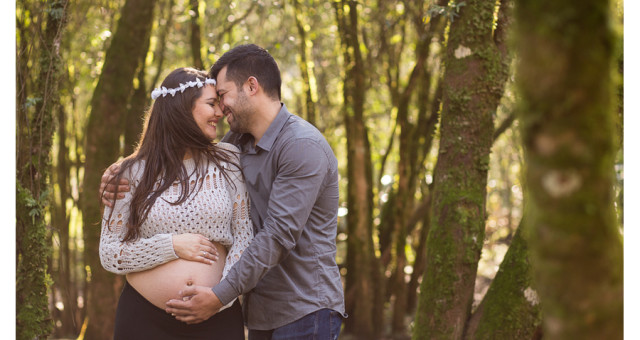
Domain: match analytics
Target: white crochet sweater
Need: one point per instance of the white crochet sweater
(218, 211)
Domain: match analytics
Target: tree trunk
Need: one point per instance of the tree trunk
(476, 70)
(35, 130)
(165, 22)
(60, 218)
(511, 308)
(105, 126)
(139, 103)
(567, 116)
(306, 69)
(421, 252)
(196, 40)
(363, 291)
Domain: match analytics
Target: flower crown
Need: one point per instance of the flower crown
(163, 91)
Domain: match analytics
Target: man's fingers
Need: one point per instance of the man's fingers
(187, 291)
(188, 319)
(122, 187)
(177, 307)
(107, 202)
(113, 168)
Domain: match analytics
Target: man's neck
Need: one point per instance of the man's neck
(264, 117)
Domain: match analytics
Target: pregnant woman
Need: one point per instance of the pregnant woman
(185, 220)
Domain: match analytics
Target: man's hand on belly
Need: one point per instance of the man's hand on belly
(198, 304)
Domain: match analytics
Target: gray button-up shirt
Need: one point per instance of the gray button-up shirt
(289, 269)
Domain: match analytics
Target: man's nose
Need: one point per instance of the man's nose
(217, 111)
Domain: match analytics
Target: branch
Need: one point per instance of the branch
(235, 22)
(504, 126)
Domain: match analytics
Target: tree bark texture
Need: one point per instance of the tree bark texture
(567, 112)
(476, 71)
(139, 104)
(196, 40)
(511, 308)
(105, 126)
(363, 289)
(35, 126)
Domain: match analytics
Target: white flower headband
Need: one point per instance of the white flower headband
(163, 91)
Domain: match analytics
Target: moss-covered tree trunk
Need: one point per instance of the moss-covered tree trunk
(567, 112)
(105, 126)
(511, 308)
(35, 126)
(476, 70)
(363, 289)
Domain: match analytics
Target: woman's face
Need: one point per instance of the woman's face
(206, 111)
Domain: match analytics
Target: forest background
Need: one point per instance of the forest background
(444, 117)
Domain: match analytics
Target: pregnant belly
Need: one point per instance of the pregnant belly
(162, 283)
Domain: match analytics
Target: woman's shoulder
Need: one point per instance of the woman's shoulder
(134, 170)
(228, 147)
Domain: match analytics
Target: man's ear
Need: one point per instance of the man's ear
(253, 84)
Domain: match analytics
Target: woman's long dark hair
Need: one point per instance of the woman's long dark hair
(169, 132)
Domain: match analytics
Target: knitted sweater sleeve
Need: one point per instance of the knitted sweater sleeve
(241, 227)
(132, 256)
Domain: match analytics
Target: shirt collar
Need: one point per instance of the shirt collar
(269, 137)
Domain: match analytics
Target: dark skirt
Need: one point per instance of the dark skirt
(139, 319)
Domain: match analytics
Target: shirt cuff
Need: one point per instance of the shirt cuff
(224, 292)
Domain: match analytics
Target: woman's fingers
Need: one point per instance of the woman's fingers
(195, 247)
(208, 245)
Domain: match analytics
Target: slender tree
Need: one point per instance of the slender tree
(106, 123)
(138, 105)
(363, 288)
(303, 59)
(63, 283)
(476, 70)
(35, 126)
(567, 112)
(196, 40)
(413, 139)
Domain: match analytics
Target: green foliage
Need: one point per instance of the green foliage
(451, 10)
(32, 280)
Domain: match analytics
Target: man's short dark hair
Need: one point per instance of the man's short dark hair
(244, 61)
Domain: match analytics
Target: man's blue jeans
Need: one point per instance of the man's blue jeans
(321, 325)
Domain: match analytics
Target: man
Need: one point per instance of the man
(288, 274)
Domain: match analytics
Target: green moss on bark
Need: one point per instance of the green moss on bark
(510, 309)
(474, 82)
(569, 137)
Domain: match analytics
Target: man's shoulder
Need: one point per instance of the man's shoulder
(297, 128)
(302, 140)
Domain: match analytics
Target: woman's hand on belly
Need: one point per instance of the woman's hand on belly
(164, 282)
(195, 247)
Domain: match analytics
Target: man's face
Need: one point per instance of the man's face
(234, 103)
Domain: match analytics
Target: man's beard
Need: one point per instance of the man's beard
(241, 114)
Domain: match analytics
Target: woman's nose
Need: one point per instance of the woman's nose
(217, 111)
